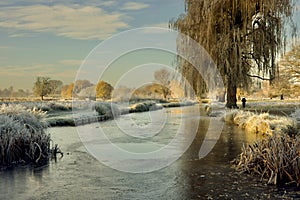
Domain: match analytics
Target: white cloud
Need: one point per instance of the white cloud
(21, 35)
(107, 3)
(134, 6)
(74, 21)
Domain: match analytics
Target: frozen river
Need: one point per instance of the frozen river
(79, 175)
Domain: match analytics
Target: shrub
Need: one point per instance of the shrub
(60, 106)
(144, 106)
(22, 136)
(110, 110)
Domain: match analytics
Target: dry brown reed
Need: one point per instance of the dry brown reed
(275, 158)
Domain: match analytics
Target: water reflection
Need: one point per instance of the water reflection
(21, 183)
(79, 176)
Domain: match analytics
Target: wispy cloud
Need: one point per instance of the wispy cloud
(5, 47)
(107, 3)
(134, 6)
(79, 22)
(48, 70)
(24, 76)
(26, 70)
(101, 3)
(159, 25)
(21, 35)
(71, 62)
(67, 74)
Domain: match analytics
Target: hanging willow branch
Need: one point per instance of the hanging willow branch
(259, 77)
(235, 33)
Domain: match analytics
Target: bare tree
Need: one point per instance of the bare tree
(81, 84)
(290, 65)
(163, 77)
(55, 86)
(288, 81)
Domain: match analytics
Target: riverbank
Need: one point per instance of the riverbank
(102, 111)
(274, 157)
(273, 107)
(80, 176)
(194, 178)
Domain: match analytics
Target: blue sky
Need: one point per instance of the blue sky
(52, 38)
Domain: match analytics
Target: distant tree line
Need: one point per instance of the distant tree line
(47, 87)
(11, 92)
(44, 86)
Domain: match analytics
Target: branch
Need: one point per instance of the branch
(261, 78)
(296, 71)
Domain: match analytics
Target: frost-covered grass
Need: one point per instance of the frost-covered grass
(296, 115)
(260, 123)
(277, 107)
(23, 137)
(275, 157)
(144, 107)
(110, 110)
(67, 113)
(48, 106)
(84, 111)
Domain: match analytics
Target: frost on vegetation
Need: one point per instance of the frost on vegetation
(144, 106)
(296, 115)
(260, 123)
(275, 159)
(44, 106)
(22, 135)
(53, 106)
(22, 113)
(110, 110)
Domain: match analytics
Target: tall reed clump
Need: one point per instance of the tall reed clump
(22, 136)
(276, 159)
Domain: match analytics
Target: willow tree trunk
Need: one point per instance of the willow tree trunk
(231, 94)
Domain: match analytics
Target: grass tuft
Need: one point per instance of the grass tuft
(22, 136)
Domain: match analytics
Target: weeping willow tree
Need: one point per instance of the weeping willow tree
(243, 37)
